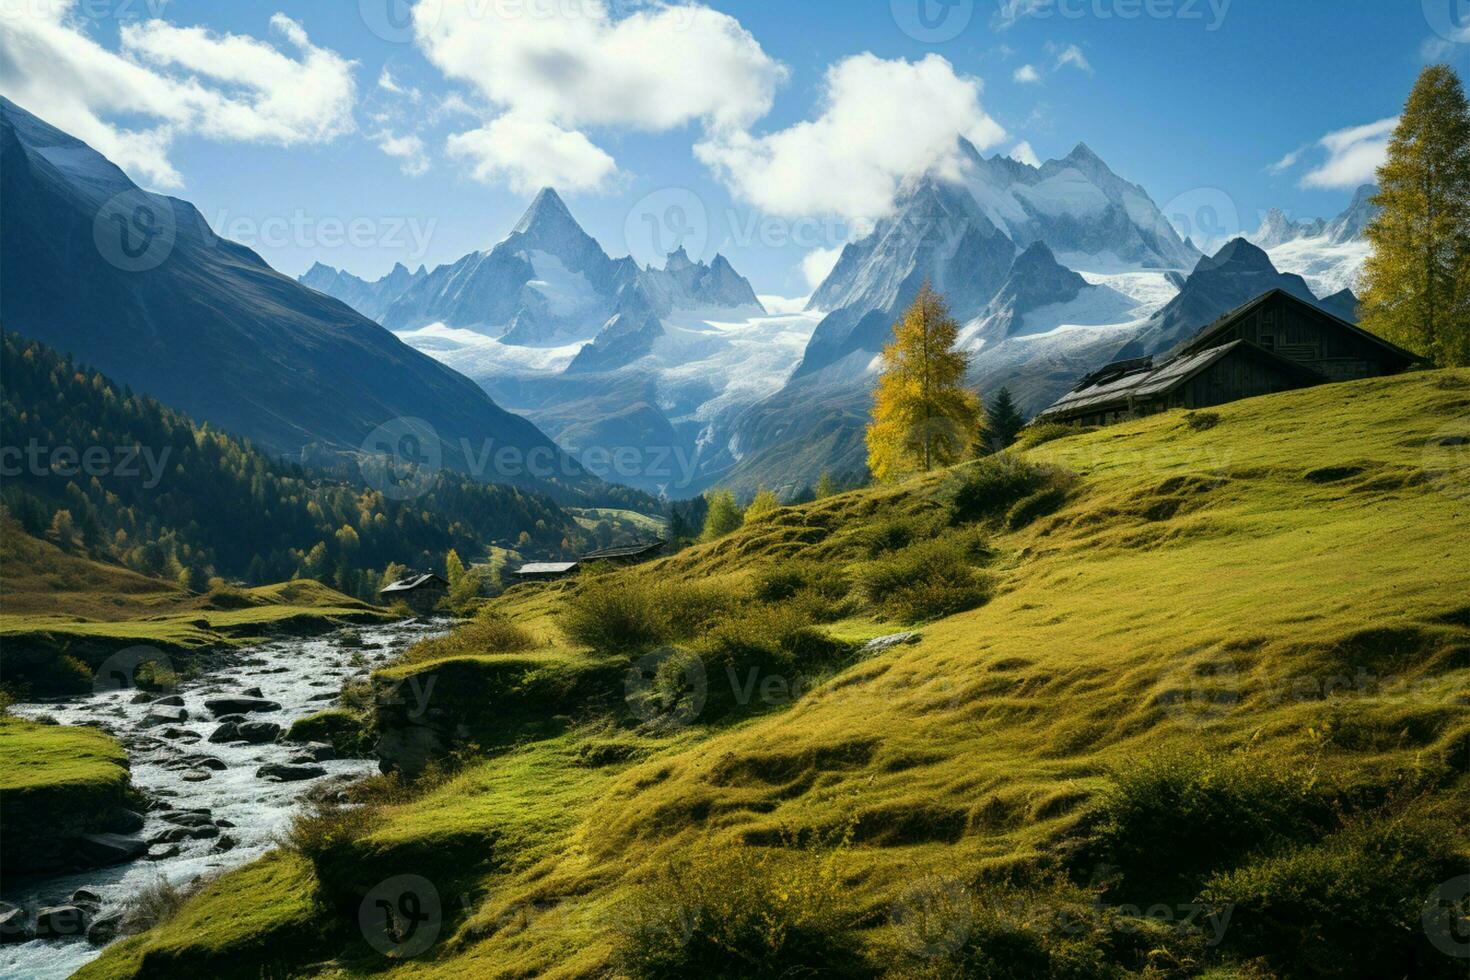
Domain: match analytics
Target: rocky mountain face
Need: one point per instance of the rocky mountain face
(1236, 274)
(937, 234)
(1077, 206)
(548, 283)
(1277, 229)
(138, 286)
(371, 299)
(1035, 280)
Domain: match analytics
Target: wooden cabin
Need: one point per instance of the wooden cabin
(544, 571)
(1276, 342)
(626, 555)
(421, 591)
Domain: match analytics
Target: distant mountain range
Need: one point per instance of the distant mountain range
(138, 285)
(1329, 254)
(1050, 269)
(548, 284)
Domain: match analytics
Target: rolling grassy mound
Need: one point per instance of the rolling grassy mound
(61, 615)
(1190, 697)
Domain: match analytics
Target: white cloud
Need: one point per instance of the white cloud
(1026, 75)
(389, 84)
(1011, 11)
(225, 87)
(572, 67)
(529, 153)
(1287, 162)
(1022, 153)
(880, 121)
(1353, 155)
(817, 264)
(1071, 56)
(408, 150)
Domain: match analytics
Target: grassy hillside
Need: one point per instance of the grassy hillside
(54, 780)
(1191, 697)
(61, 615)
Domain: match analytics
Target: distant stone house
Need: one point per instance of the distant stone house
(1276, 342)
(421, 591)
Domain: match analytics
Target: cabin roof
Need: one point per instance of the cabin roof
(546, 568)
(625, 551)
(413, 582)
(1222, 323)
(1161, 380)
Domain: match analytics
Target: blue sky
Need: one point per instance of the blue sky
(769, 131)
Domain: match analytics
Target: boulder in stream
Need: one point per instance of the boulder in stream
(15, 925)
(98, 850)
(259, 732)
(61, 922)
(285, 773)
(104, 929)
(241, 705)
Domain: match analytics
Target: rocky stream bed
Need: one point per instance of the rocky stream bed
(219, 785)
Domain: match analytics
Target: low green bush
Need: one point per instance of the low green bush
(1042, 432)
(1043, 502)
(739, 912)
(940, 928)
(930, 579)
(990, 487)
(1166, 821)
(887, 536)
(1353, 905)
(786, 580)
(623, 612)
(761, 658)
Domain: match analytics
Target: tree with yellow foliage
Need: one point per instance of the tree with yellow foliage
(923, 416)
(1417, 281)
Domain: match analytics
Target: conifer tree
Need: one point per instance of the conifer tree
(453, 569)
(826, 486)
(922, 415)
(1417, 281)
(723, 517)
(765, 502)
(1002, 421)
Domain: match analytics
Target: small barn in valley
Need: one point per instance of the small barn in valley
(422, 591)
(1276, 342)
